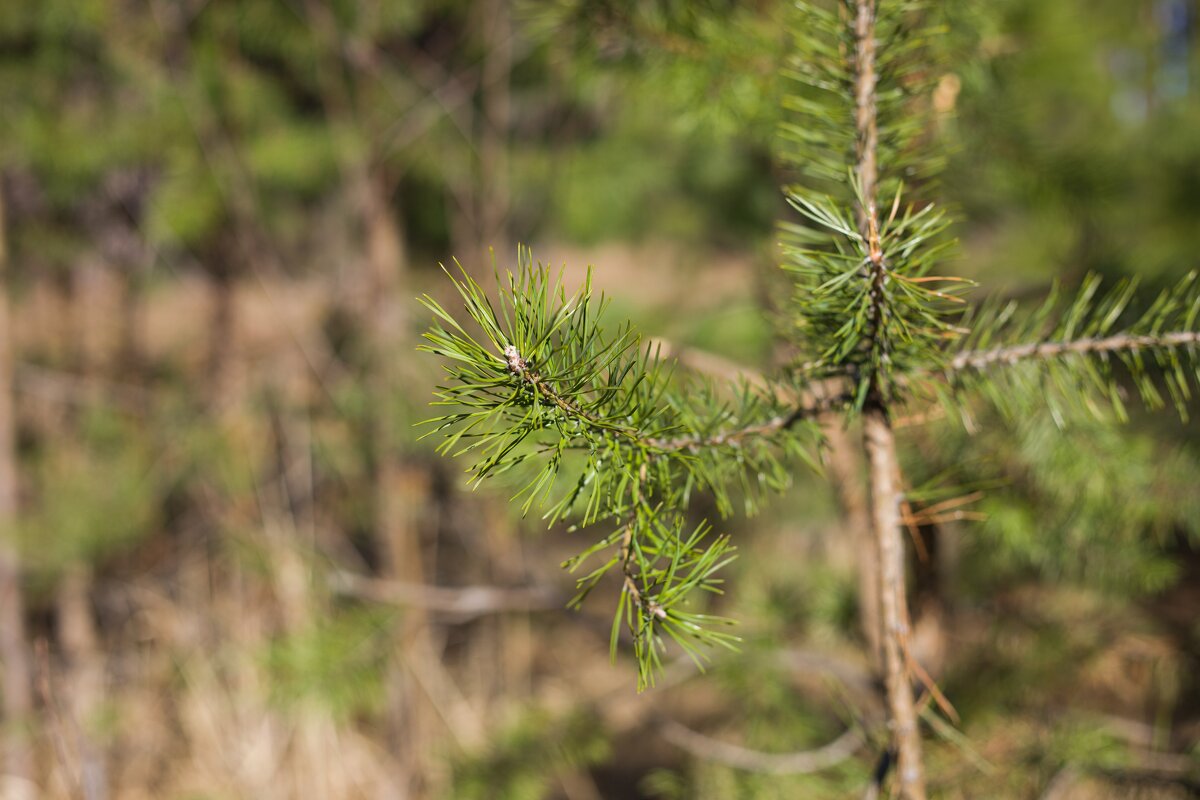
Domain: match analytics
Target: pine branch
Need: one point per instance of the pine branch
(659, 568)
(1119, 343)
(545, 381)
(1064, 354)
(601, 431)
(810, 406)
(866, 298)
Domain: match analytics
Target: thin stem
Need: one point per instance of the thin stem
(865, 120)
(809, 407)
(1005, 356)
(737, 435)
(628, 572)
(644, 604)
(878, 439)
(459, 603)
(880, 443)
(732, 755)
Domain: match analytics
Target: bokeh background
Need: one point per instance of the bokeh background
(231, 569)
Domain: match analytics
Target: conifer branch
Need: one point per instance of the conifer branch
(866, 297)
(608, 436)
(1070, 349)
(810, 406)
(601, 432)
(1007, 356)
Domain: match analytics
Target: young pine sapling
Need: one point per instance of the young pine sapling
(618, 443)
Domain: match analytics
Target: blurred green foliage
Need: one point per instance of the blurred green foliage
(1072, 148)
(339, 665)
(99, 495)
(528, 758)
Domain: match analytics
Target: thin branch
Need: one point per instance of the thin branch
(738, 757)
(878, 438)
(645, 605)
(810, 407)
(774, 425)
(461, 602)
(982, 359)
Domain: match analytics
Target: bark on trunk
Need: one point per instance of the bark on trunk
(880, 444)
(14, 649)
(878, 439)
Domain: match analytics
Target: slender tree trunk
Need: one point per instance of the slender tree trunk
(14, 649)
(878, 439)
(880, 444)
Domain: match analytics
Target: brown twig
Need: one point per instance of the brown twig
(808, 407)
(878, 438)
(732, 755)
(460, 602)
(644, 604)
(982, 359)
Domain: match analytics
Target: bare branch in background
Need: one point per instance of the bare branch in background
(459, 603)
(732, 755)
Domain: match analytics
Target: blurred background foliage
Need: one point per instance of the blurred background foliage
(244, 575)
